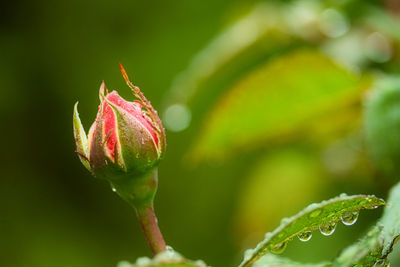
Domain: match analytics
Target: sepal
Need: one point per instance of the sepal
(82, 147)
(103, 91)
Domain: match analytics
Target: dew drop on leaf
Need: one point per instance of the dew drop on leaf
(248, 253)
(285, 220)
(305, 236)
(327, 229)
(350, 218)
(268, 235)
(278, 249)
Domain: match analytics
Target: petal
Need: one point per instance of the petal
(82, 147)
(135, 110)
(97, 153)
(110, 130)
(137, 145)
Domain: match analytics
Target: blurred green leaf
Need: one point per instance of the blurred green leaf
(160, 265)
(276, 100)
(315, 216)
(382, 125)
(391, 220)
(288, 172)
(276, 261)
(383, 21)
(261, 31)
(167, 258)
(365, 252)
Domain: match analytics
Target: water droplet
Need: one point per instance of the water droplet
(142, 261)
(350, 218)
(268, 235)
(278, 249)
(124, 264)
(113, 188)
(305, 236)
(169, 248)
(315, 213)
(343, 195)
(327, 229)
(285, 220)
(248, 254)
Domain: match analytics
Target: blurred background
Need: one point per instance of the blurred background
(268, 106)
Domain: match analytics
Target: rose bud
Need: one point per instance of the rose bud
(124, 144)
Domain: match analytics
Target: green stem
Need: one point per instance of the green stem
(139, 192)
(148, 221)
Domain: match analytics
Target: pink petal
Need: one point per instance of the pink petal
(110, 133)
(135, 110)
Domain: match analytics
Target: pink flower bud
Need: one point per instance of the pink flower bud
(127, 138)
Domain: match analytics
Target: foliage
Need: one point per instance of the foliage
(269, 105)
(168, 258)
(382, 122)
(260, 106)
(323, 216)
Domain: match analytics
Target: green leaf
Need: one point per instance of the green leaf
(310, 219)
(263, 30)
(275, 101)
(123, 264)
(391, 220)
(276, 261)
(378, 243)
(167, 258)
(290, 171)
(365, 252)
(382, 125)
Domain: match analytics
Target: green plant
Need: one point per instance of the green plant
(295, 98)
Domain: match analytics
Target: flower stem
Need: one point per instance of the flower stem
(139, 193)
(148, 221)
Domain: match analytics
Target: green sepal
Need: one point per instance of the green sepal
(82, 146)
(102, 92)
(138, 191)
